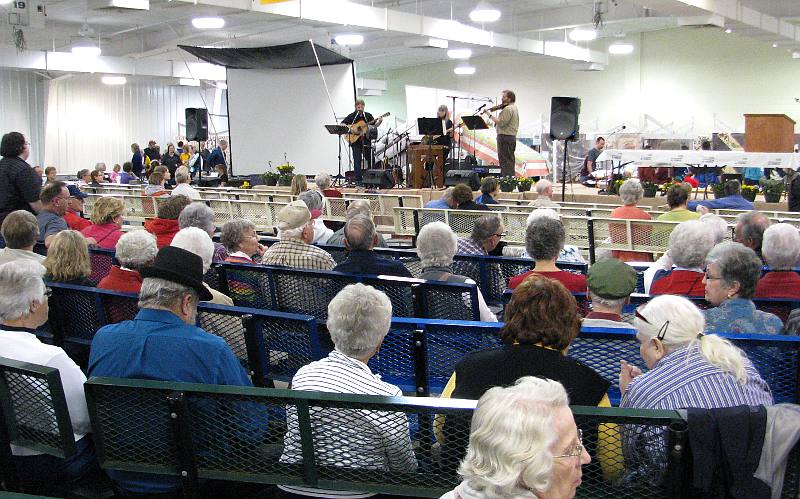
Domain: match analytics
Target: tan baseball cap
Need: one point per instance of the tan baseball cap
(293, 216)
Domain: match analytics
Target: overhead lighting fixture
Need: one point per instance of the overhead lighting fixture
(349, 39)
(114, 80)
(484, 12)
(464, 69)
(620, 48)
(582, 35)
(774, 45)
(86, 47)
(728, 31)
(208, 22)
(459, 53)
(188, 82)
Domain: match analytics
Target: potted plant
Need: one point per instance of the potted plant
(650, 189)
(615, 185)
(508, 184)
(524, 184)
(749, 192)
(285, 174)
(773, 189)
(270, 178)
(719, 190)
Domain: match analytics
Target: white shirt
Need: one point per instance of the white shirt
(13, 255)
(321, 233)
(186, 190)
(26, 347)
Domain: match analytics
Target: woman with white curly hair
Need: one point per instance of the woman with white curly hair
(135, 251)
(523, 443)
(781, 250)
(631, 193)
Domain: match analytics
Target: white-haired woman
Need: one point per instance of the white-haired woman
(687, 369)
(201, 216)
(568, 254)
(780, 249)
(197, 241)
(135, 251)
(436, 247)
(631, 193)
(681, 270)
(716, 225)
(323, 182)
(523, 443)
(316, 205)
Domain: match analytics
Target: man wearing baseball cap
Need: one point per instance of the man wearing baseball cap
(294, 249)
(610, 284)
(75, 208)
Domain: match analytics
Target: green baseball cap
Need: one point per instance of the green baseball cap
(611, 279)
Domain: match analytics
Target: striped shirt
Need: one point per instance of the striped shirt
(350, 438)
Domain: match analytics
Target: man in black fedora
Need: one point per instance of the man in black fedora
(163, 343)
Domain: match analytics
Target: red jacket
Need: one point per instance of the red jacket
(779, 284)
(163, 229)
(678, 282)
(106, 235)
(75, 221)
(124, 281)
(575, 283)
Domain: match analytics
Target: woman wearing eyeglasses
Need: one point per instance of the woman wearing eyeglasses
(523, 443)
(687, 368)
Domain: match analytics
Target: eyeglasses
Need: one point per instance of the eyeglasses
(576, 451)
(502, 234)
(710, 278)
(662, 330)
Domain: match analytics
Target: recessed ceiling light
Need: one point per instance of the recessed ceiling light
(208, 22)
(620, 48)
(582, 35)
(728, 31)
(484, 12)
(774, 45)
(86, 47)
(349, 39)
(464, 69)
(459, 53)
(114, 80)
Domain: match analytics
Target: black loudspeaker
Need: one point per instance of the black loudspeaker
(564, 113)
(381, 178)
(196, 124)
(469, 177)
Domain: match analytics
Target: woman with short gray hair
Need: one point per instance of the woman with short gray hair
(682, 269)
(201, 216)
(241, 240)
(135, 251)
(436, 247)
(631, 193)
(732, 273)
(780, 249)
(20, 231)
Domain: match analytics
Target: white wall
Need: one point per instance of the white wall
(22, 98)
(685, 76)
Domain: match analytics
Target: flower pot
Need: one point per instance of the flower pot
(772, 197)
(272, 181)
(650, 193)
(749, 195)
(284, 182)
(507, 188)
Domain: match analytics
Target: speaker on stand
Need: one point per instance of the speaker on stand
(564, 113)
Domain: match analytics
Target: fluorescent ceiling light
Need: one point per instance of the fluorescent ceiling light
(729, 31)
(222, 85)
(114, 80)
(208, 22)
(620, 48)
(774, 45)
(349, 39)
(484, 12)
(85, 47)
(189, 82)
(464, 69)
(582, 35)
(459, 53)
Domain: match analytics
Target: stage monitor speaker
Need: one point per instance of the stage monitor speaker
(380, 178)
(196, 124)
(564, 113)
(469, 177)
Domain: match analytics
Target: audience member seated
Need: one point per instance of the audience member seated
(486, 235)
(568, 254)
(222, 175)
(732, 200)
(544, 239)
(155, 185)
(54, 200)
(445, 202)
(198, 242)
(74, 209)
(113, 177)
(106, 222)
(436, 247)
(462, 197)
(323, 182)
(163, 343)
(678, 199)
(356, 207)
(490, 189)
(50, 174)
(360, 239)
(544, 195)
(631, 193)
(732, 273)
(299, 184)
(315, 204)
(523, 443)
(20, 231)
(781, 250)
(358, 320)
(23, 309)
(680, 270)
(294, 249)
(67, 259)
(165, 225)
(716, 225)
(84, 177)
(183, 188)
(201, 216)
(610, 283)
(96, 178)
(135, 251)
(241, 241)
(687, 369)
(750, 229)
(127, 174)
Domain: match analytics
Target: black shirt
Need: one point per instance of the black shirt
(172, 162)
(19, 186)
(368, 263)
(152, 153)
(472, 205)
(446, 139)
(355, 117)
(592, 156)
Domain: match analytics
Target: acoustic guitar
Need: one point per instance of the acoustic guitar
(359, 128)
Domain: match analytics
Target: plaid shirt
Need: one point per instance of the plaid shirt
(469, 246)
(297, 254)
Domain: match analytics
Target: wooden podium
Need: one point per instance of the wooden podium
(768, 133)
(419, 155)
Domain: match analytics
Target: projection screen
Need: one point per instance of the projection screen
(281, 113)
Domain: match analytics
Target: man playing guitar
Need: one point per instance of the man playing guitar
(361, 148)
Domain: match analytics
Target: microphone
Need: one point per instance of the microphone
(481, 108)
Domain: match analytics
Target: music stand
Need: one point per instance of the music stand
(339, 130)
(430, 127)
(473, 123)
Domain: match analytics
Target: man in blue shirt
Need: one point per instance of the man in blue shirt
(733, 199)
(443, 203)
(360, 238)
(163, 343)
